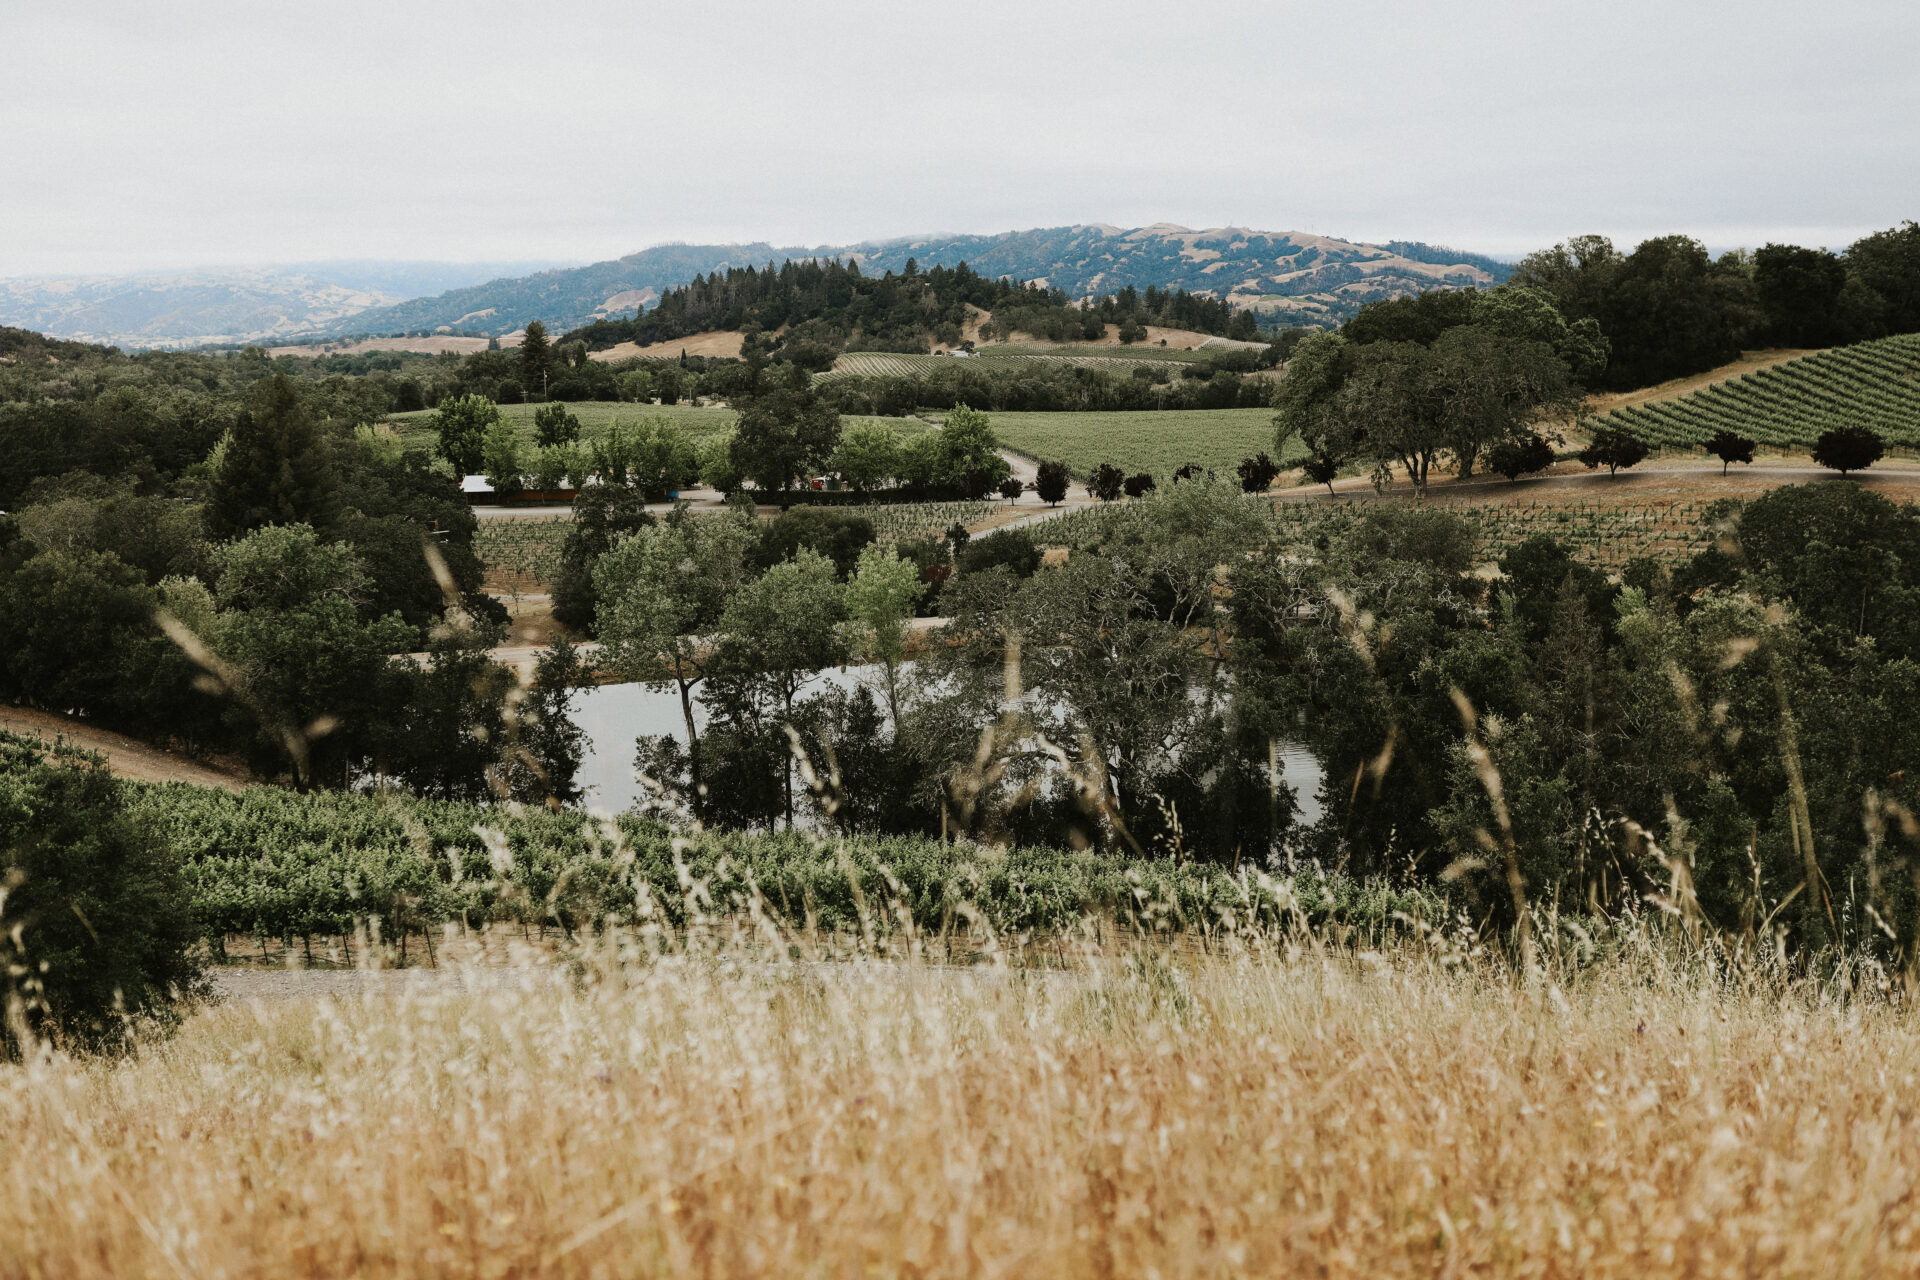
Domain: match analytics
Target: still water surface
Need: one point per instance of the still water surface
(613, 715)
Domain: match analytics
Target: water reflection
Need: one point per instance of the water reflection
(613, 715)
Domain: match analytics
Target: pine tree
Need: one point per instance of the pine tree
(277, 468)
(536, 357)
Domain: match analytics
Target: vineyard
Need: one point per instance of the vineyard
(1158, 442)
(1875, 385)
(596, 416)
(876, 364)
(1605, 534)
(526, 551)
(273, 863)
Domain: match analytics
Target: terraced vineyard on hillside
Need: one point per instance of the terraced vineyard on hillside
(1875, 385)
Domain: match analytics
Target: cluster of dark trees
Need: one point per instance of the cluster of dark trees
(1215, 384)
(1669, 309)
(1455, 376)
(1677, 737)
(1047, 314)
(233, 572)
(809, 312)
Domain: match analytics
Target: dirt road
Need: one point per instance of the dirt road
(126, 757)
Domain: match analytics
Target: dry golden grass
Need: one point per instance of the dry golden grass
(1228, 1116)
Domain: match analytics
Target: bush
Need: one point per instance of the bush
(1106, 482)
(837, 535)
(97, 924)
(1257, 472)
(1014, 548)
(1138, 486)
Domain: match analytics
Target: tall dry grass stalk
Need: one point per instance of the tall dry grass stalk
(1322, 1114)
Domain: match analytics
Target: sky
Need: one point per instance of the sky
(139, 136)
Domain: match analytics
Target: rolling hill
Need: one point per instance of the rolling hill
(1287, 277)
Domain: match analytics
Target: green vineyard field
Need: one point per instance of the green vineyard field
(1875, 385)
(879, 364)
(1158, 442)
(416, 429)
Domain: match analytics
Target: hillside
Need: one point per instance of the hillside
(811, 310)
(1875, 385)
(1288, 277)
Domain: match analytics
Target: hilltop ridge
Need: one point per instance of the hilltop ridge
(1286, 277)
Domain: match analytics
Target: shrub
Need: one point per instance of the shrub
(97, 924)
(1257, 472)
(1106, 482)
(1138, 486)
(1014, 548)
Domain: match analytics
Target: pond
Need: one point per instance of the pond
(613, 715)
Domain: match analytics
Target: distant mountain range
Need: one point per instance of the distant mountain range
(1288, 277)
(227, 304)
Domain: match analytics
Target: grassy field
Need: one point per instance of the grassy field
(1875, 385)
(1152, 1112)
(1158, 442)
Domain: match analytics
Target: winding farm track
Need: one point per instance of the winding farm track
(126, 757)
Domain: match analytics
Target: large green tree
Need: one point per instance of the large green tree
(783, 434)
(881, 597)
(300, 672)
(661, 594)
(780, 629)
(461, 425)
(536, 358)
(277, 468)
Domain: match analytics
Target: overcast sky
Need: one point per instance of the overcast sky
(141, 135)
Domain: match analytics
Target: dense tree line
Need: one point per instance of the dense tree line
(1725, 737)
(810, 311)
(210, 552)
(1216, 384)
(1669, 309)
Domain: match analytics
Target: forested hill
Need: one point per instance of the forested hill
(1288, 278)
(811, 311)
